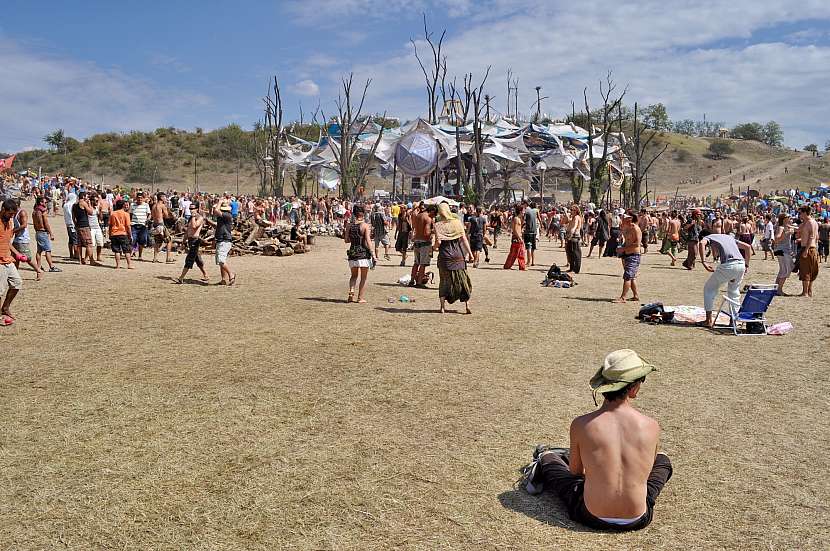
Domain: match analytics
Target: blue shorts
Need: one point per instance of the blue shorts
(44, 244)
(140, 235)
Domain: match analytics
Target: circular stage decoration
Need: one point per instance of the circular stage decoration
(417, 154)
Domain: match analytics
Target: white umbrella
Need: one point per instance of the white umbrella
(417, 154)
(438, 199)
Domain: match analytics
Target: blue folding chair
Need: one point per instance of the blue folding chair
(752, 310)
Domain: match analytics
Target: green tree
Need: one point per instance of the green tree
(55, 139)
(720, 149)
(749, 131)
(685, 127)
(656, 117)
(773, 135)
(812, 148)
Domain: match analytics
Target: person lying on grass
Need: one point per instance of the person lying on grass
(613, 473)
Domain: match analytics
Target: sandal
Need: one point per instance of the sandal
(232, 280)
(351, 297)
(178, 280)
(6, 321)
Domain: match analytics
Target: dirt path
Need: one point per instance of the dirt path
(759, 170)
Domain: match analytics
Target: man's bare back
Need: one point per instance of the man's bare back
(614, 447)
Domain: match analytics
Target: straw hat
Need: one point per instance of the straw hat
(620, 368)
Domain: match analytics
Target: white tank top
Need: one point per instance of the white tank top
(22, 237)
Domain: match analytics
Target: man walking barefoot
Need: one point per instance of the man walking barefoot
(10, 280)
(119, 232)
(193, 240)
(161, 235)
(517, 245)
(612, 475)
(630, 256)
(43, 234)
(808, 257)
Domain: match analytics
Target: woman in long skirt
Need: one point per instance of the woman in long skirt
(402, 229)
(455, 284)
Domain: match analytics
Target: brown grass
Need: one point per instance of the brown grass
(138, 414)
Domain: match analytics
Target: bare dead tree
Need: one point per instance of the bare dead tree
(436, 72)
(476, 95)
(259, 152)
(272, 124)
(637, 151)
(607, 120)
(353, 170)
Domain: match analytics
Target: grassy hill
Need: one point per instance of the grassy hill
(165, 158)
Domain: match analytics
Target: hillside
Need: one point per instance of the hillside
(165, 158)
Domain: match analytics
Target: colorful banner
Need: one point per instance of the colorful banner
(6, 164)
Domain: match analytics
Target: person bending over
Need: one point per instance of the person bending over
(612, 474)
(733, 258)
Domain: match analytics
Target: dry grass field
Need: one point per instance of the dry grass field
(138, 414)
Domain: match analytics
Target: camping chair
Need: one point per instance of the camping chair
(755, 304)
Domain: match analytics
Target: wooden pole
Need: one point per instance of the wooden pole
(394, 176)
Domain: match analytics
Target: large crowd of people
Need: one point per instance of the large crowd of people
(791, 227)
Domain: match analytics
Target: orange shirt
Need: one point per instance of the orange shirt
(6, 232)
(119, 223)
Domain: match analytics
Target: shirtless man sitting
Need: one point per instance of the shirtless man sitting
(613, 473)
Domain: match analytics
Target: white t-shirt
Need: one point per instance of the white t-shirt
(769, 230)
(184, 207)
(140, 214)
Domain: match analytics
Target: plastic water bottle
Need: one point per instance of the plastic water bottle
(404, 299)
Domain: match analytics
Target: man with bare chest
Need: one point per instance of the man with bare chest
(161, 235)
(630, 256)
(612, 474)
(193, 240)
(808, 257)
(644, 222)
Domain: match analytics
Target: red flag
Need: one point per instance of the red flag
(6, 164)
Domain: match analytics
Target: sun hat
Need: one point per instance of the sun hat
(620, 368)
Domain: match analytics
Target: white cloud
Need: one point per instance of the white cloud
(694, 57)
(170, 62)
(320, 60)
(40, 93)
(306, 88)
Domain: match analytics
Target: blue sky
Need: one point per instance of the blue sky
(100, 66)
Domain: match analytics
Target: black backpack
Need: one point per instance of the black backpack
(655, 313)
(555, 274)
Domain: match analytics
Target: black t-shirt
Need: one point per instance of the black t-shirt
(80, 215)
(224, 223)
(174, 202)
(477, 227)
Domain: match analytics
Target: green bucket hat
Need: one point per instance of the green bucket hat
(619, 369)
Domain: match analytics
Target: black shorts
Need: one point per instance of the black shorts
(193, 254)
(598, 240)
(73, 236)
(530, 241)
(120, 244)
(558, 479)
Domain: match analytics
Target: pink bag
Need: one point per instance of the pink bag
(780, 328)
